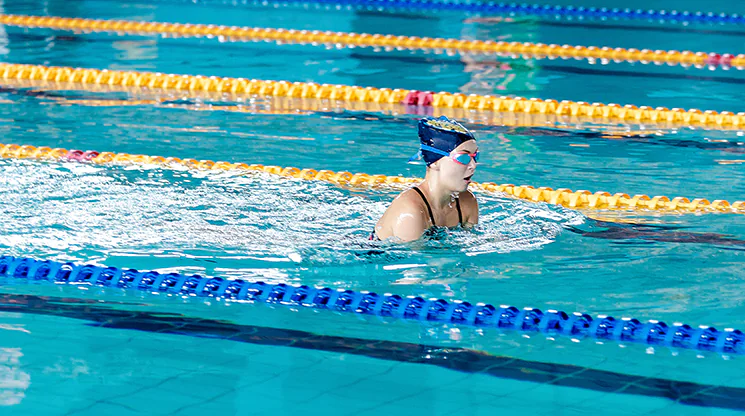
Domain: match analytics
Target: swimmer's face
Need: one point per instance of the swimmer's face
(455, 176)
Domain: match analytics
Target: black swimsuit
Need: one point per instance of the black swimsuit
(429, 209)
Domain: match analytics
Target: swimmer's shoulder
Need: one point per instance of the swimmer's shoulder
(411, 196)
(409, 203)
(406, 215)
(468, 197)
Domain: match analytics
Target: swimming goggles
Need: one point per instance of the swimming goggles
(460, 158)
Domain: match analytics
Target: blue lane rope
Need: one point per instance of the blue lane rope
(411, 308)
(515, 9)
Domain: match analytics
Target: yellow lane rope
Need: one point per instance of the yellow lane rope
(243, 87)
(290, 105)
(565, 197)
(279, 106)
(343, 39)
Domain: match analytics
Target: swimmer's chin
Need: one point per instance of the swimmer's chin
(463, 188)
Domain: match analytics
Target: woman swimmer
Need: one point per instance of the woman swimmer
(442, 199)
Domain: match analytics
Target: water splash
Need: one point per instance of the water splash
(69, 211)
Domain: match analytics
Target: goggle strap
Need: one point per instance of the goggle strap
(434, 150)
(443, 153)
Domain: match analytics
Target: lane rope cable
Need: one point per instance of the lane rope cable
(409, 308)
(343, 39)
(565, 197)
(240, 86)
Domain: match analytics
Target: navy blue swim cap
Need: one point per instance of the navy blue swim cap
(442, 134)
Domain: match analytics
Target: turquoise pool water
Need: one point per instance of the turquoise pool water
(81, 350)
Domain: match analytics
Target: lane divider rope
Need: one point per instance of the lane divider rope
(292, 105)
(408, 308)
(241, 86)
(543, 11)
(342, 39)
(581, 199)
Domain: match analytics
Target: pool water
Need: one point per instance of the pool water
(80, 350)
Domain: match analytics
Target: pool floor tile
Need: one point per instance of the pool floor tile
(107, 408)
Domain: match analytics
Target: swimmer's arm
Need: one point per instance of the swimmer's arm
(410, 224)
(471, 210)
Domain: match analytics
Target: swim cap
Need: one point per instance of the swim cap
(442, 134)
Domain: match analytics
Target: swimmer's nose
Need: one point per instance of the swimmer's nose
(472, 165)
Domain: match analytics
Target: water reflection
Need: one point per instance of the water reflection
(13, 381)
(654, 233)
(3, 33)
(494, 75)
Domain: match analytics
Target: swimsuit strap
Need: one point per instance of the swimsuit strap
(460, 215)
(429, 208)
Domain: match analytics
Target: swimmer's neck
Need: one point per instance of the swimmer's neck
(438, 196)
